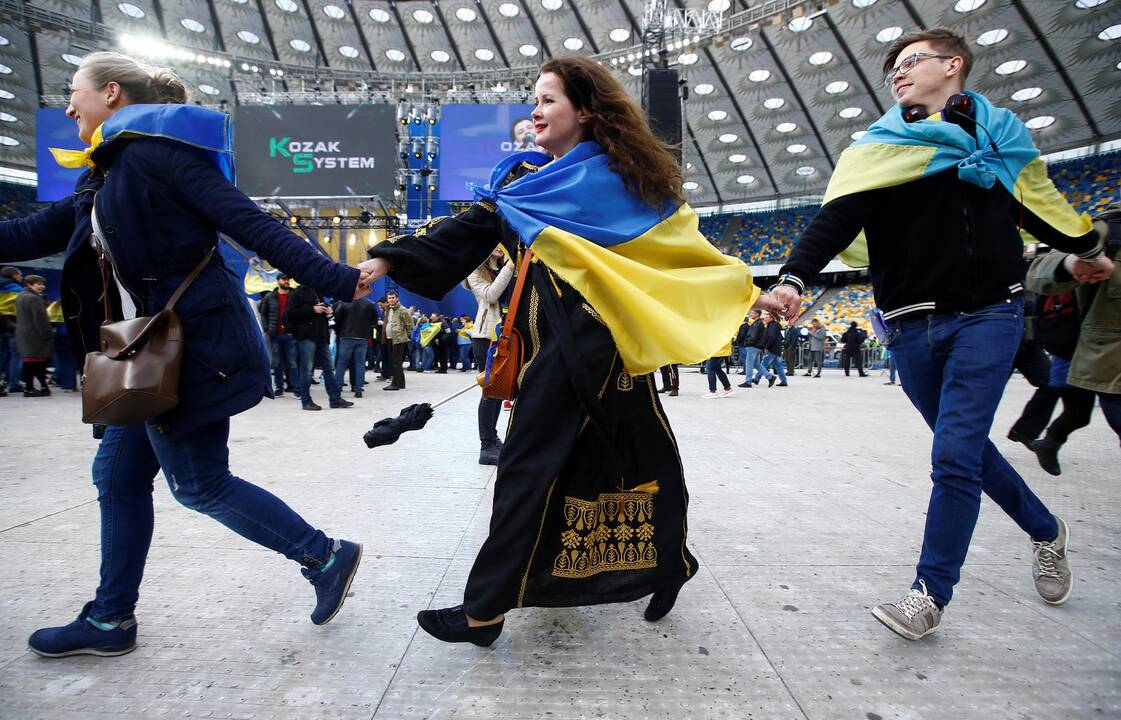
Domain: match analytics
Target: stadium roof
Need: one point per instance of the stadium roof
(773, 96)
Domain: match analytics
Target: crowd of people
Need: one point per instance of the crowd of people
(590, 503)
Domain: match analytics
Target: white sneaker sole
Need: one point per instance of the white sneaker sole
(903, 631)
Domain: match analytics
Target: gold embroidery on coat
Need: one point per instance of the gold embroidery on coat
(592, 311)
(625, 382)
(423, 229)
(534, 333)
(614, 532)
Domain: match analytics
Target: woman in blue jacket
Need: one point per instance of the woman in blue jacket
(158, 173)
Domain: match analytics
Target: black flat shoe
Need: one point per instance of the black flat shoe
(450, 625)
(661, 602)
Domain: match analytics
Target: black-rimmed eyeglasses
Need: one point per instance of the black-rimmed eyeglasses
(909, 64)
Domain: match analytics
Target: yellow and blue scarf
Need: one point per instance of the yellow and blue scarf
(665, 293)
(203, 128)
(894, 152)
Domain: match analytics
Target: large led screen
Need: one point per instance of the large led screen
(54, 129)
(473, 138)
(315, 150)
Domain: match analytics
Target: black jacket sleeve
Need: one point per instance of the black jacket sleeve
(441, 253)
(831, 231)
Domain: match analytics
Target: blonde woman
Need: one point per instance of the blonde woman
(155, 193)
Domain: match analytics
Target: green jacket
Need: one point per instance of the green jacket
(398, 325)
(1096, 364)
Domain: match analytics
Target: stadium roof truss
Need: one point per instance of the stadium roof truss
(774, 95)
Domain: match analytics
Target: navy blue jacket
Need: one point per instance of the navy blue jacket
(161, 205)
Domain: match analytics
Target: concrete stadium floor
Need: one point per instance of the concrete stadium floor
(808, 505)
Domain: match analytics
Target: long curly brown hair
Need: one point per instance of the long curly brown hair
(617, 124)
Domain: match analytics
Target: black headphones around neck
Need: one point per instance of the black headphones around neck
(958, 108)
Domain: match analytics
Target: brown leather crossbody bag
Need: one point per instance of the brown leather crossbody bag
(135, 375)
(505, 356)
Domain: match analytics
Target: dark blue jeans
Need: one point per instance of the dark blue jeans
(198, 473)
(714, 371)
(954, 367)
(351, 354)
(10, 360)
(312, 353)
(283, 348)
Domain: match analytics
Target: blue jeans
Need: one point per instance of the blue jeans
(954, 367)
(754, 362)
(198, 473)
(774, 362)
(283, 348)
(314, 353)
(464, 357)
(428, 354)
(65, 366)
(715, 371)
(352, 355)
(10, 359)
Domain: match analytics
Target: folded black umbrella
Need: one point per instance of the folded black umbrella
(414, 417)
(386, 432)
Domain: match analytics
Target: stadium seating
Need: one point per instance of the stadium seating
(851, 303)
(17, 201)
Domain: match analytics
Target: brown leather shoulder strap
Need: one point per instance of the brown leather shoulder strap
(187, 281)
(512, 312)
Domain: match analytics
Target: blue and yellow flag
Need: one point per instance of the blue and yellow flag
(9, 291)
(203, 128)
(665, 293)
(894, 152)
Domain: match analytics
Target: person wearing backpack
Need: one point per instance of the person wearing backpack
(1081, 324)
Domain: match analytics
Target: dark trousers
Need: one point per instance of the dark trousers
(1036, 368)
(396, 358)
(670, 377)
(790, 357)
(850, 357)
(32, 370)
(489, 408)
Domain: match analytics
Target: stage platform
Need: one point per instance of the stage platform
(808, 505)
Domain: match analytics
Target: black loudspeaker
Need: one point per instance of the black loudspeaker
(662, 100)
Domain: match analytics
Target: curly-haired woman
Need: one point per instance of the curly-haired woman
(590, 500)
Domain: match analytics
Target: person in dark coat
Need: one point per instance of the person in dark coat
(853, 339)
(34, 336)
(156, 184)
(354, 328)
(308, 319)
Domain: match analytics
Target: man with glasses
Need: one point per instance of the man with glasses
(929, 199)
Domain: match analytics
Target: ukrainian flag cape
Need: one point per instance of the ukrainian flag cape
(209, 130)
(665, 293)
(9, 291)
(894, 152)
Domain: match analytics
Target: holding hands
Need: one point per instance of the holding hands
(783, 300)
(1091, 271)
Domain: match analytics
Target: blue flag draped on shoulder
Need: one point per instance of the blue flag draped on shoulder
(665, 293)
(894, 152)
(209, 130)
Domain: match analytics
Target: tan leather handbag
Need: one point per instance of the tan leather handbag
(135, 375)
(505, 356)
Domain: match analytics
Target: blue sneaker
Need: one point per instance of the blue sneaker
(86, 636)
(332, 582)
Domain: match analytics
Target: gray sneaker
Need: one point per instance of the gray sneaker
(912, 617)
(1051, 569)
